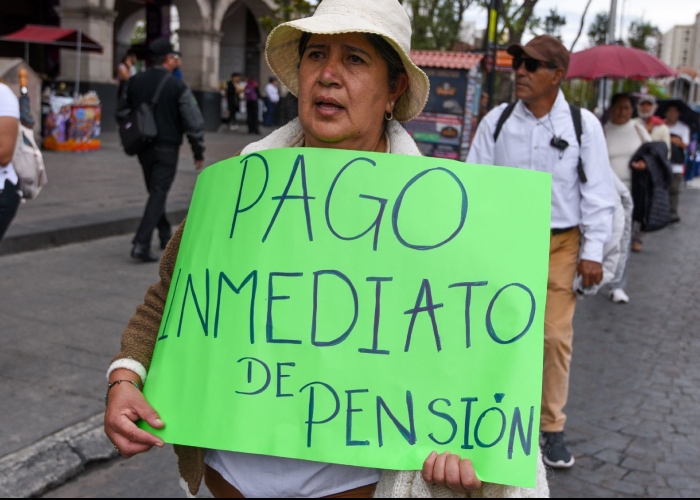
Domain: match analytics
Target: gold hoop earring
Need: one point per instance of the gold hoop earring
(389, 116)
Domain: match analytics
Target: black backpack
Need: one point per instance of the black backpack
(138, 128)
(578, 127)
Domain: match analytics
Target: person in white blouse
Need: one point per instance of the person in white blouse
(9, 128)
(540, 135)
(624, 136)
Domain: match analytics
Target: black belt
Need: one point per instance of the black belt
(556, 232)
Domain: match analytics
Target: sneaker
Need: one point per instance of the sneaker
(675, 219)
(618, 296)
(554, 451)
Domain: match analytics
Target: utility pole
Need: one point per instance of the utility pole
(605, 85)
(612, 22)
(491, 48)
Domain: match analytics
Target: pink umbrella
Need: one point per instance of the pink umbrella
(616, 62)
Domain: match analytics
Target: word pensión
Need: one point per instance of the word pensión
(407, 429)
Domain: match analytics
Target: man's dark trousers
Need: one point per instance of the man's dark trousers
(159, 164)
(9, 201)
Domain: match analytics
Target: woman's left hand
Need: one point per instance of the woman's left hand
(450, 471)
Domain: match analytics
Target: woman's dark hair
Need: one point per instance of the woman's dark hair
(130, 53)
(618, 97)
(383, 48)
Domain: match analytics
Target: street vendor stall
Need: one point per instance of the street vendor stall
(71, 123)
(444, 128)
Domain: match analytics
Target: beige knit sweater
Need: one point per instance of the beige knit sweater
(139, 338)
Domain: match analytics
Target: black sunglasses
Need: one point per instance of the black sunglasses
(531, 65)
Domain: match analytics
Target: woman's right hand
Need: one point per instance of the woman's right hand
(125, 406)
(639, 165)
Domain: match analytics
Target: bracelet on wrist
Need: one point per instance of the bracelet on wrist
(118, 382)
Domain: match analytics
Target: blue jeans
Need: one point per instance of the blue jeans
(270, 114)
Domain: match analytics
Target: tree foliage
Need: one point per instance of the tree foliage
(515, 17)
(551, 25)
(641, 35)
(139, 34)
(598, 30)
(288, 10)
(436, 23)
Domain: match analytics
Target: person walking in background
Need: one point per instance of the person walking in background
(125, 70)
(646, 107)
(541, 135)
(273, 97)
(176, 113)
(9, 181)
(233, 97)
(624, 137)
(659, 132)
(680, 138)
(251, 101)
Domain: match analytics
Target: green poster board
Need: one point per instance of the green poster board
(361, 309)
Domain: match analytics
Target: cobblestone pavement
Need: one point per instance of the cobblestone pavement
(635, 385)
(635, 388)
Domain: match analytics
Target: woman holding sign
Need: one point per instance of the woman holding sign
(349, 66)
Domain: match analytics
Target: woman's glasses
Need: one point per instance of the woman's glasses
(531, 65)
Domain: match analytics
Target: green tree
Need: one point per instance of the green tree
(641, 35)
(598, 30)
(288, 10)
(139, 34)
(515, 17)
(551, 25)
(436, 23)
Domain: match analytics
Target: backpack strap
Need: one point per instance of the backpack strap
(162, 83)
(502, 120)
(578, 127)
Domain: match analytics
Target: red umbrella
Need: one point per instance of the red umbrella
(616, 62)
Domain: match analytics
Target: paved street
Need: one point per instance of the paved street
(635, 389)
(102, 193)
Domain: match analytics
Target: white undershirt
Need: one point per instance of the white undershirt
(9, 106)
(262, 476)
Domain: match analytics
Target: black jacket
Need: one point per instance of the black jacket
(652, 205)
(176, 112)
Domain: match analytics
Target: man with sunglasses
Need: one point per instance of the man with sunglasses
(539, 133)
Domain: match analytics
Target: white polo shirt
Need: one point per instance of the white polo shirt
(9, 106)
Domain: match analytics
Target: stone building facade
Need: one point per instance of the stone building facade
(216, 38)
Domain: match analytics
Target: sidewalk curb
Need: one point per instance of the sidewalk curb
(55, 459)
(77, 234)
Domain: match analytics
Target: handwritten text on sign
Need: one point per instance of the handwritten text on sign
(359, 308)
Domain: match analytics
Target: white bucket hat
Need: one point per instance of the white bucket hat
(386, 18)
